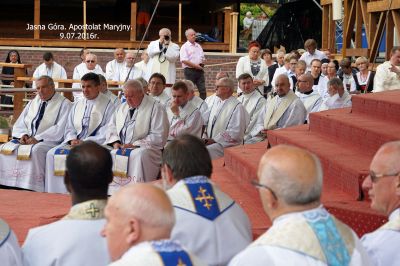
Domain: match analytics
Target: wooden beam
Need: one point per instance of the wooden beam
(325, 26)
(332, 30)
(36, 19)
(227, 24)
(133, 21)
(357, 52)
(379, 6)
(396, 20)
(374, 46)
(326, 2)
(389, 34)
(358, 25)
(349, 26)
(363, 6)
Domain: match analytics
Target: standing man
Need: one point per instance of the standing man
(163, 54)
(114, 67)
(302, 232)
(49, 68)
(192, 58)
(39, 128)
(387, 75)
(383, 186)
(76, 240)
(311, 53)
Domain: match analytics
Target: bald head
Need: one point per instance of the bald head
(119, 55)
(282, 85)
(388, 157)
(294, 174)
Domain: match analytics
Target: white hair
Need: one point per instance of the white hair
(189, 30)
(190, 85)
(135, 85)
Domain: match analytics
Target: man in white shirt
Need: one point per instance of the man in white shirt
(104, 89)
(71, 240)
(163, 54)
(39, 128)
(10, 252)
(127, 70)
(183, 115)
(138, 132)
(157, 84)
(285, 69)
(140, 218)
(383, 187)
(227, 121)
(142, 65)
(310, 98)
(197, 101)
(387, 75)
(302, 232)
(114, 67)
(320, 82)
(49, 68)
(87, 120)
(203, 226)
(311, 53)
(338, 96)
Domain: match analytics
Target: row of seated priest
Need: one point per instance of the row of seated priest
(137, 130)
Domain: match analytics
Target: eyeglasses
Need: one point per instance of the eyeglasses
(258, 185)
(374, 177)
(90, 61)
(221, 86)
(299, 81)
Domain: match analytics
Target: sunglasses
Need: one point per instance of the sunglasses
(90, 61)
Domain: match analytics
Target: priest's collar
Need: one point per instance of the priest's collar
(308, 92)
(285, 216)
(87, 210)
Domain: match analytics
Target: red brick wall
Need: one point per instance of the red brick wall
(69, 58)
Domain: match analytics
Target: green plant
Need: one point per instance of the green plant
(3, 122)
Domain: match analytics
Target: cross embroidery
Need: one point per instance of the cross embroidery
(93, 211)
(207, 198)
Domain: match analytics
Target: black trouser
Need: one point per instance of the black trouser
(197, 77)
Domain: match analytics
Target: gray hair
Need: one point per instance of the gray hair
(49, 80)
(168, 31)
(189, 84)
(335, 82)
(228, 82)
(143, 82)
(189, 30)
(135, 85)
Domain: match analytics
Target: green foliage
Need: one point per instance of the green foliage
(3, 122)
(255, 10)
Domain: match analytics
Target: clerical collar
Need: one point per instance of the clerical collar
(87, 210)
(308, 92)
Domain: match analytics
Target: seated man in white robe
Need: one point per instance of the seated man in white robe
(129, 69)
(137, 131)
(338, 96)
(10, 252)
(104, 89)
(90, 66)
(197, 101)
(227, 121)
(310, 98)
(87, 120)
(183, 116)
(157, 89)
(142, 65)
(49, 68)
(76, 239)
(115, 67)
(252, 101)
(208, 221)
(302, 232)
(383, 189)
(140, 218)
(283, 110)
(39, 128)
(320, 82)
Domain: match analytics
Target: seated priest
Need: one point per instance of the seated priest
(104, 89)
(227, 121)
(157, 88)
(50, 68)
(87, 121)
(137, 131)
(183, 115)
(39, 128)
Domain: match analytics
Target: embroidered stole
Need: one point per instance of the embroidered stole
(9, 147)
(272, 116)
(60, 158)
(88, 210)
(121, 162)
(218, 122)
(24, 152)
(171, 253)
(184, 113)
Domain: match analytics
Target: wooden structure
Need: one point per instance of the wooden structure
(375, 15)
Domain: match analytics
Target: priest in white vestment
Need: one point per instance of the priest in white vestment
(338, 96)
(281, 111)
(227, 121)
(139, 233)
(142, 65)
(253, 102)
(88, 66)
(76, 238)
(114, 67)
(49, 68)
(163, 54)
(208, 221)
(39, 128)
(10, 252)
(320, 81)
(303, 232)
(310, 98)
(387, 75)
(104, 89)
(129, 70)
(197, 101)
(137, 131)
(382, 186)
(183, 116)
(157, 89)
(87, 120)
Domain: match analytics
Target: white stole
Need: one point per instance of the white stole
(218, 122)
(24, 152)
(184, 112)
(272, 116)
(250, 102)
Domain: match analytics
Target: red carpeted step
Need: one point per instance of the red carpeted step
(382, 105)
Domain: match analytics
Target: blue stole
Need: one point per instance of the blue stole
(171, 253)
(124, 152)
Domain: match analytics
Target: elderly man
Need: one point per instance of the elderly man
(383, 185)
(49, 68)
(114, 67)
(128, 72)
(302, 231)
(283, 110)
(142, 65)
(183, 116)
(387, 75)
(10, 252)
(87, 121)
(338, 96)
(157, 89)
(311, 53)
(39, 128)
(163, 54)
(76, 240)
(197, 101)
(137, 131)
(253, 102)
(227, 121)
(192, 58)
(90, 66)
(310, 98)
(140, 218)
(203, 226)
(104, 89)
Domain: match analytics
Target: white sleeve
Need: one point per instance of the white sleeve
(19, 128)
(172, 53)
